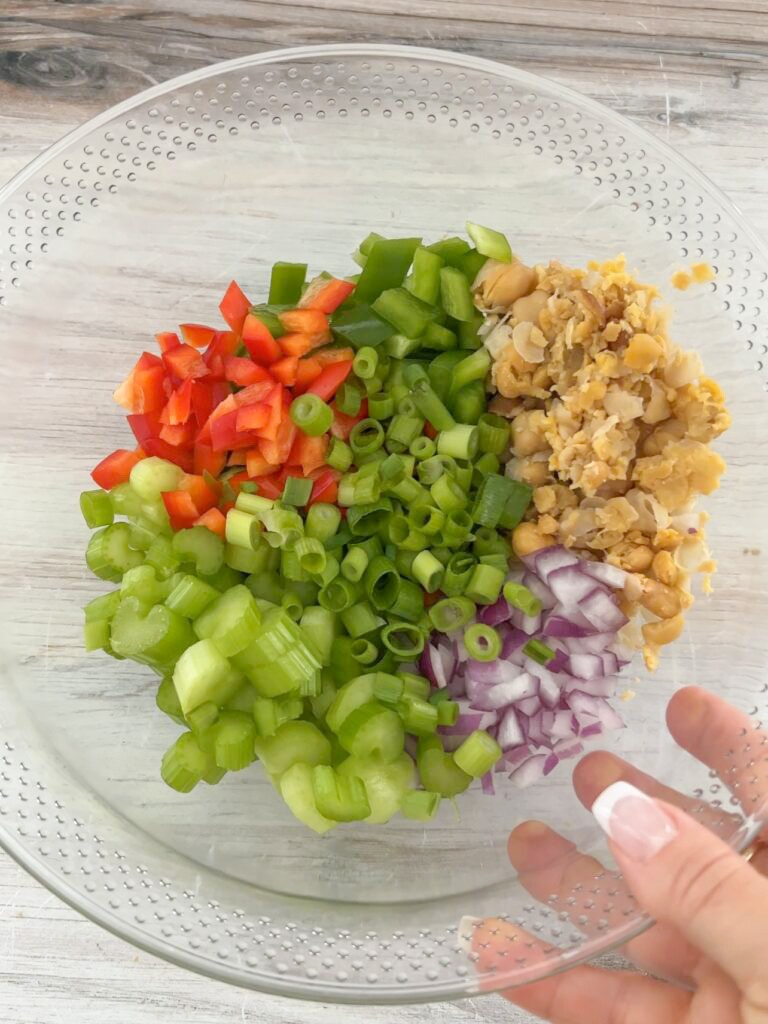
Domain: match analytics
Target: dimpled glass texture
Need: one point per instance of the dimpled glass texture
(137, 222)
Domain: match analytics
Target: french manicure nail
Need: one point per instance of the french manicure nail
(633, 821)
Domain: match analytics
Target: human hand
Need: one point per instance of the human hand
(711, 905)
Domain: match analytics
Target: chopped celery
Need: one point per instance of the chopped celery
(231, 621)
(340, 798)
(108, 555)
(142, 582)
(167, 700)
(190, 596)
(297, 791)
(420, 805)
(293, 742)
(185, 764)
(202, 674)
(201, 546)
(152, 476)
(102, 607)
(96, 635)
(125, 501)
(375, 731)
(384, 784)
(96, 508)
(438, 771)
(352, 695)
(202, 717)
(233, 739)
(157, 638)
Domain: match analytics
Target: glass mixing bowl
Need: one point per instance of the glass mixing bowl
(136, 222)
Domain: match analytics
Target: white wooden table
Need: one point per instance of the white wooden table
(696, 74)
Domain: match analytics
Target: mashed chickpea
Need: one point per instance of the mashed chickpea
(612, 424)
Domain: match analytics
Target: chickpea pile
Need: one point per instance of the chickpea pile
(612, 424)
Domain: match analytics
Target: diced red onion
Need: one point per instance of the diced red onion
(510, 734)
(529, 705)
(606, 573)
(513, 640)
(605, 687)
(494, 697)
(540, 590)
(559, 626)
(601, 610)
(495, 614)
(518, 755)
(487, 784)
(530, 771)
(551, 763)
(548, 560)
(568, 748)
(587, 666)
(570, 585)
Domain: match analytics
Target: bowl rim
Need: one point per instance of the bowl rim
(325, 991)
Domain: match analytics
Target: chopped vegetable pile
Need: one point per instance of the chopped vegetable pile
(316, 495)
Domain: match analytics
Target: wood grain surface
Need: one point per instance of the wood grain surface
(696, 74)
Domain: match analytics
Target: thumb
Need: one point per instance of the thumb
(685, 876)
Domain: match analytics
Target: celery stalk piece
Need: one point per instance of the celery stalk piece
(200, 546)
(231, 621)
(108, 554)
(352, 695)
(294, 742)
(190, 597)
(374, 731)
(340, 798)
(202, 674)
(438, 771)
(233, 740)
(156, 638)
(296, 790)
(167, 700)
(185, 764)
(385, 784)
(150, 477)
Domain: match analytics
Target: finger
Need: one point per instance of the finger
(684, 876)
(598, 770)
(724, 739)
(582, 995)
(596, 901)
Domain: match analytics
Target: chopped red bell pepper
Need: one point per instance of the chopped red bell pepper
(207, 460)
(325, 487)
(258, 339)
(330, 380)
(203, 494)
(258, 392)
(181, 457)
(225, 436)
(270, 486)
(181, 435)
(115, 469)
(324, 356)
(234, 306)
(202, 400)
(285, 370)
(185, 361)
(311, 322)
(329, 296)
(144, 425)
(243, 372)
(181, 509)
(143, 390)
(278, 450)
(257, 465)
(429, 430)
(307, 372)
(253, 417)
(198, 335)
(214, 520)
(308, 452)
(167, 340)
(178, 408)
(224, 343)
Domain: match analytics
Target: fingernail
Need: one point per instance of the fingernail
(633, 821)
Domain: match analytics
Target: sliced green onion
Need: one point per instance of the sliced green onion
(393, 469)
(404, 639)
(339, 454)
(96, 508)
(366, 436)
(420, 805)
(460, 442)
(363, 651)
(354, 563)
(409, 604)
(291, 568)
(297, 491)
(365, 362)
(338, 595)
(485, 584)
(410, 492)
(407, 407)
(381, 406)
(451, 613)
(402, 431)
(311, 415)
(349, 398)
(322, 521)
(430, 406)
(448, 495)
(283, 528)
(367, 519)
(516, 506)
(521, 597)
(404, 562)
(477, 754)
(538, 651)
(242, 529)
(498, 561)
(487, 463)
(427, 518)
(428, 571)
(489, 542)
(447, 712)
(291, 604)
(494, 433)
(456, 529)
(382, 582)
(360, 619)
(311, 555)
(387, 688)
(482, 642)
(469, 402)
(491, 499)
(423, 448)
